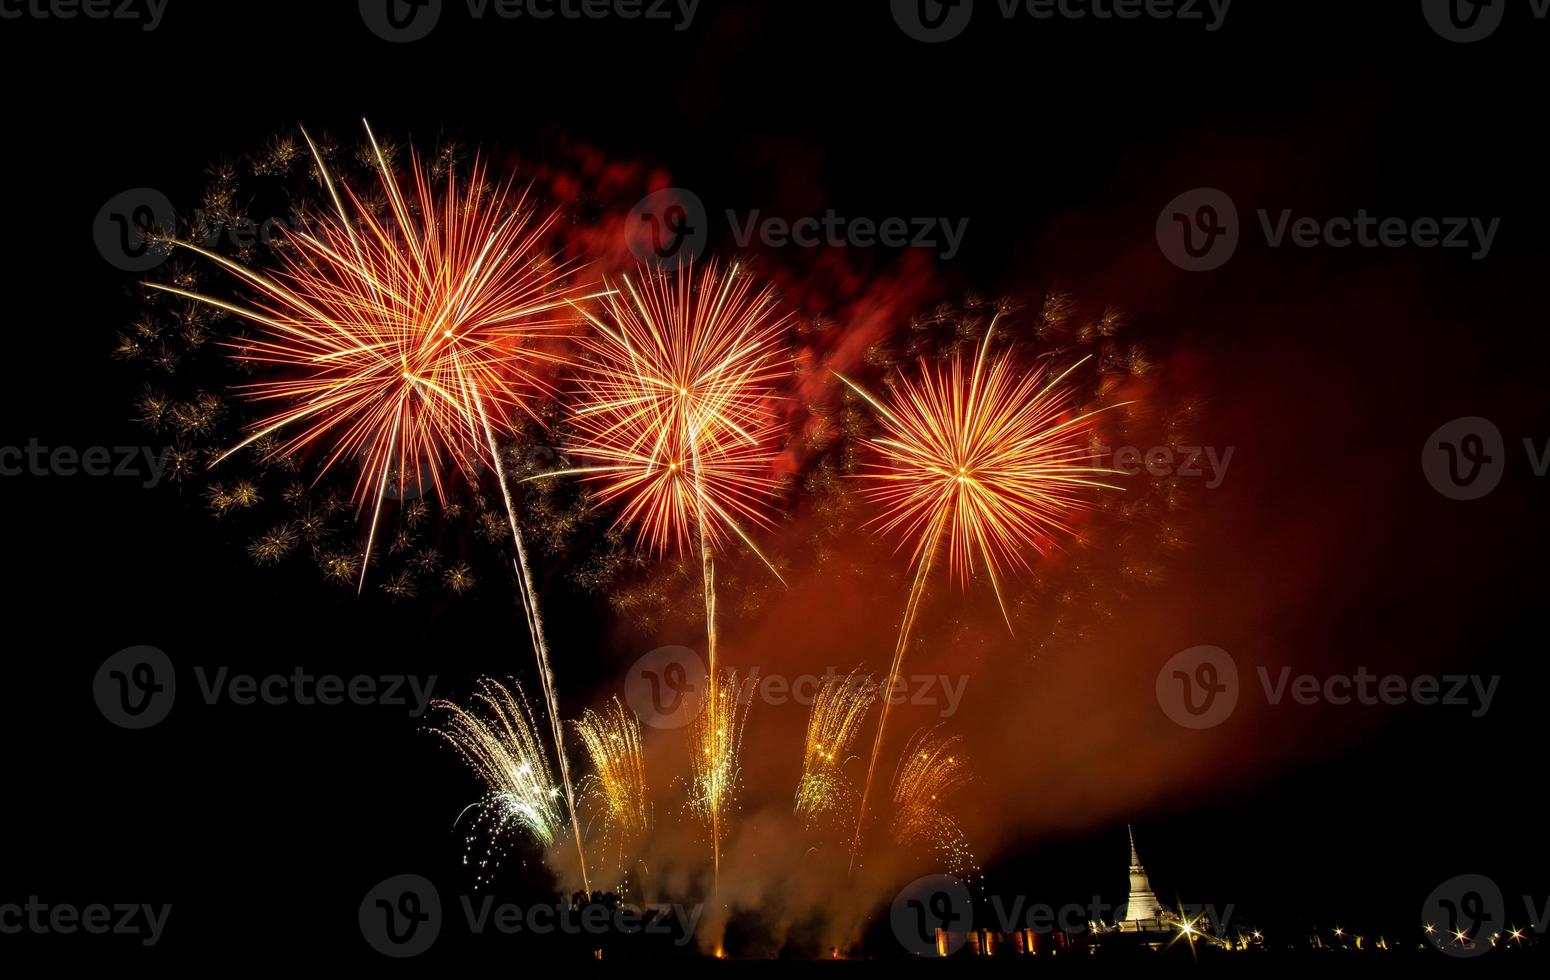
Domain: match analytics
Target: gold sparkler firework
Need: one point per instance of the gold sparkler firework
(678, 428)
(983, 461)
(837, 716)
(407, 344)
(930, 772)
(498, 739)
(617, 783)
(716, 739)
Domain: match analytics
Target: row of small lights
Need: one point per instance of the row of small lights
(1188, 931)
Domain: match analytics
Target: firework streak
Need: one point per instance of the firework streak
(838, 713)
(502, 746)
(677, 427)
(617, 783)
(406, 344)
(981, 461)
(930, 771)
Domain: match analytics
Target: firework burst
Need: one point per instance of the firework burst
(406, 343)
(930, 772)
(498, 739)
(981, 462)
(839, 711)
(677, 425)
(395, 342)
(616, 786)
(678, 429)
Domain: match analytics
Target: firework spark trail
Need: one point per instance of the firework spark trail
(981, 463)
(501, 744)
(678, 428)
(930, 772)
(528, 596)
(408, 343)
(617, 783)
(717, 737)
(839, 711)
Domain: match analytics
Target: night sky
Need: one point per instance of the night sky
(1324, 549)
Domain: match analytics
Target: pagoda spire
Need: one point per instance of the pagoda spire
(1142, 905)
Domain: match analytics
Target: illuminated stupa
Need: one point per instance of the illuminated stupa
(1143, 912)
